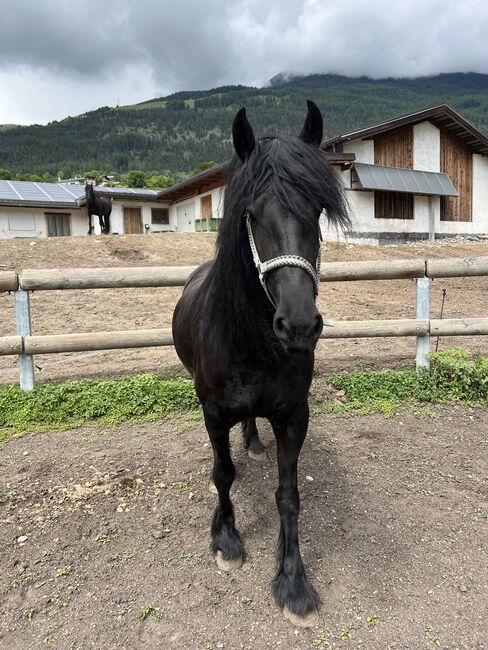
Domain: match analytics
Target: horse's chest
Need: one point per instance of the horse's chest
(256, 392)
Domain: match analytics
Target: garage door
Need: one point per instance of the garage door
(132, 221)
(185, 217)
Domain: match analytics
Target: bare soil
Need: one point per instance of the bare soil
(100, 310)
(104, 537)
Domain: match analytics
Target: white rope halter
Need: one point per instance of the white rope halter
(283, 260)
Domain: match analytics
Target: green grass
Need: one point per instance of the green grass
(454, 376)
(70, 404)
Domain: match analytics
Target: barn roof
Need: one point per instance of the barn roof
(216, 176)
(441, 115)
(57, 195)
(202, 182)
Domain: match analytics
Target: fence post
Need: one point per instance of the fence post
(23, 319)
(423, 312)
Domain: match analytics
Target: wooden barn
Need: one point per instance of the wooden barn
(417, 176)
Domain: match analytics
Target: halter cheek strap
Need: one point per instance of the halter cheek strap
(283, 260)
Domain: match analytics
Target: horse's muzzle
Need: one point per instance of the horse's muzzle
(298, 334)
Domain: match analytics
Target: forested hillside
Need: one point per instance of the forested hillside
(180, 131)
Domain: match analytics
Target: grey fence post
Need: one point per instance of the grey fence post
(423, 312)
(23, 318)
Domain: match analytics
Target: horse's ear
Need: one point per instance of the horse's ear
(243, 135)
(313, 127)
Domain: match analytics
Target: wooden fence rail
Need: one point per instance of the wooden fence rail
(175, 276)
(25, 345)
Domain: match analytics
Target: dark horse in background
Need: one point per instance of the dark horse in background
(246, 328)
(99, 206)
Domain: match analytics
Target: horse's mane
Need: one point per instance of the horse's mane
(299, 177)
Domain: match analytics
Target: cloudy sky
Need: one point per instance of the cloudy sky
(60, 58)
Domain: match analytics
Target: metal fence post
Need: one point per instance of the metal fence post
(423, 312)
(23, 318)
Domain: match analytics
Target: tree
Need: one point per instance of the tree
(159, 182)
(95, 174)
(135, 178)
(5, 175)
(207, 164)
(33, 178)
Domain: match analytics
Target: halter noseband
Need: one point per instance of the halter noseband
(283, 260)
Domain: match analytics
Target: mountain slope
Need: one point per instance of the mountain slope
(179, 131)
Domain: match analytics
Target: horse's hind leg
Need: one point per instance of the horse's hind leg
(226, 542)
(291, 589)
(252, 443)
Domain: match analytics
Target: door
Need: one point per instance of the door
(132, 221)
(185, 217)
(58, 225)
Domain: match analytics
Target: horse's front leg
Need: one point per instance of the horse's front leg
(226, 542)
(90, 223)
(102, 224)
(291, 589)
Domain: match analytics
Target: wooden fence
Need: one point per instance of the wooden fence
(25, 344)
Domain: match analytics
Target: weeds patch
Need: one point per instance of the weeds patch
(454, 375)
(69, 404)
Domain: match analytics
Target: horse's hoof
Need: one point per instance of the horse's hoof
(228, 565)
(309, 620)
(212, 488)
(260, 456)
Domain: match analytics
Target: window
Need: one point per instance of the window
(393, 205)
(160, 216)
(58, 224)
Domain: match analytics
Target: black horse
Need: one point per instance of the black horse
(98, 206)
(246, 329)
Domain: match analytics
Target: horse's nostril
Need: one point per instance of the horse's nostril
(318, 325)
(280, 325)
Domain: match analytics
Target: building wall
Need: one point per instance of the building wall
(480, 193)
(217, 205)
(31, 222)
(426, 147)
(117, 216)
(394, 148)
(426, 156)
(363, 150)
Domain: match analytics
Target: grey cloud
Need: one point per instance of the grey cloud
(203, 43)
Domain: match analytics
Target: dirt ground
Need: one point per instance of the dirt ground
(98, 310)
(104, 537)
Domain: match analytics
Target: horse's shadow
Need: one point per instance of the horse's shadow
(336, 525)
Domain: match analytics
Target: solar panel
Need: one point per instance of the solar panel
(57, 193)
(7, 192)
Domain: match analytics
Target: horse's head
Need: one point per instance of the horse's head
(289, 185)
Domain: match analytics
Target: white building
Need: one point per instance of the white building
(393, 200)
(419, 174)
(30, 209)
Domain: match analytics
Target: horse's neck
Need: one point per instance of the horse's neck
(248, 322)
